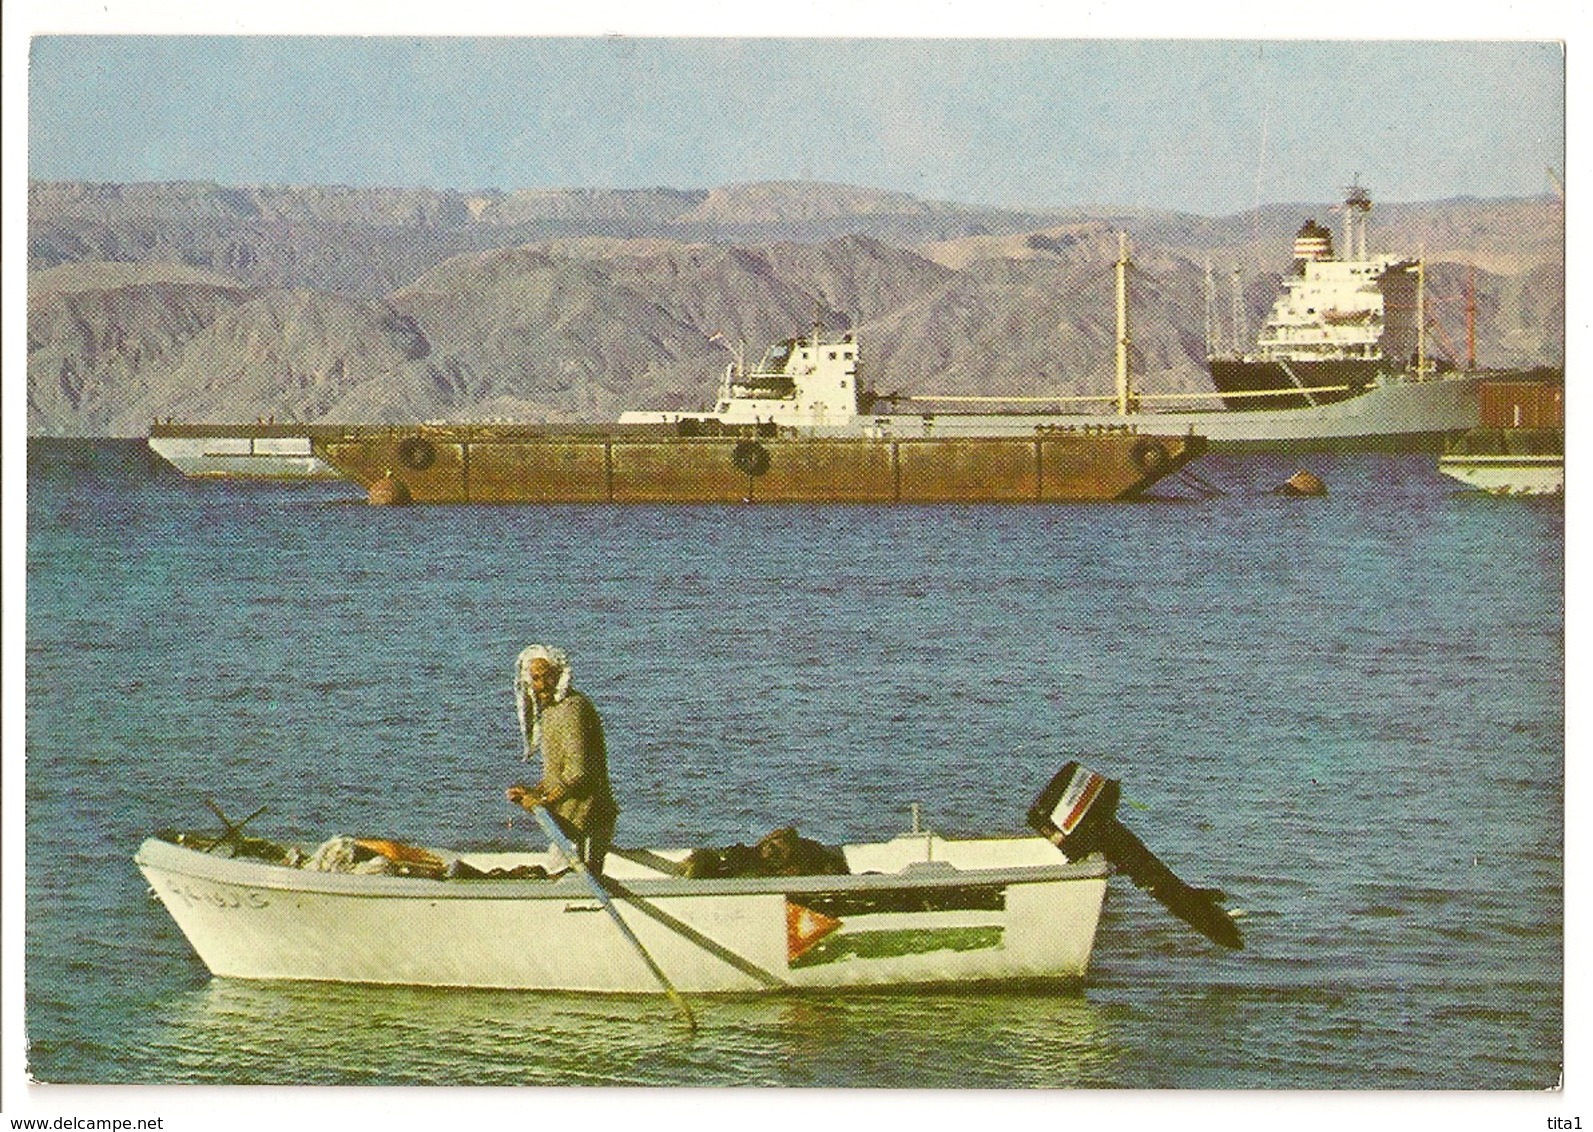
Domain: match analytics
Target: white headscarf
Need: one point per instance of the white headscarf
(526, 703)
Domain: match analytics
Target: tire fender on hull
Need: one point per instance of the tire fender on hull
(416, 453)
(1150, 456)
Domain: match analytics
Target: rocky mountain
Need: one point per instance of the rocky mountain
(318, 303)
(372, 241)
(100, 334)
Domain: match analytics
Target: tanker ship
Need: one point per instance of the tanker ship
(1342, 359)
(1342, 364)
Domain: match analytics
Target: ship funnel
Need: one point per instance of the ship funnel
(1311, 243)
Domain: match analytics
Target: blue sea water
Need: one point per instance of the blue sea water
(1346, 712)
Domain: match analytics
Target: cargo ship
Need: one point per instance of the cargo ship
(1342, 360)
(1520, 447)
(1341, 364)
(795, 428)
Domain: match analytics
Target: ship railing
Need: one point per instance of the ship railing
(1188, 395)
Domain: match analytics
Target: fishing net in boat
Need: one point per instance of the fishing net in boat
(343, 855)
(783, 853)
(374, 856)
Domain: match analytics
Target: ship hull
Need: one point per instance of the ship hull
(440, 464)
(1331, 380)
(253, 452)
(1396, 416)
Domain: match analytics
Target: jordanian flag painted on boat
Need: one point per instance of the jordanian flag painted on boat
(833, 926)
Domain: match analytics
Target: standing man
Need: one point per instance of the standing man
(564, 726)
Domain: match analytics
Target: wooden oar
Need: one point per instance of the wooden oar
(556, 835)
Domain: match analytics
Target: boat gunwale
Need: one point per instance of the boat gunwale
(1503, 460)
(165, 856)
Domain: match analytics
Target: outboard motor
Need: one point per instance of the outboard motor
(1077, 812)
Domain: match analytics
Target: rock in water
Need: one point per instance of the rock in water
(388, 492)
(1302, 483)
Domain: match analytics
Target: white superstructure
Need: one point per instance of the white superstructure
(803, 383)
(1357, 307)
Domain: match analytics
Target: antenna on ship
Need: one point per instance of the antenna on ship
(739, 353)
(1471, 321)
(1122, 324)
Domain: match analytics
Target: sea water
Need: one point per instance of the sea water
(1346, 712)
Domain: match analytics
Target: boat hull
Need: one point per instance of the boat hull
(929, 923)
(1399, 415)
(1508, 475)
(256, 452)
(1245, 378)
(444, 464)
(1511, 460)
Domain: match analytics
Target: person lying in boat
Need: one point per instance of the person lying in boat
(562, 725)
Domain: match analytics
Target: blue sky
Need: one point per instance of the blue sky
(1204, 126)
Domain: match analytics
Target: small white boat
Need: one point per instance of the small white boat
(1520, 448)
(915, 910)
(1505, 474)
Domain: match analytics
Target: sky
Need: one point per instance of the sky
(1201, 126)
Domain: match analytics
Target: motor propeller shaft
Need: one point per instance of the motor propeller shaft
(1077, 812)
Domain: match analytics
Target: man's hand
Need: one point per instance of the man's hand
(526, 797)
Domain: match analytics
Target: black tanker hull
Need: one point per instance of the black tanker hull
(1277, 385)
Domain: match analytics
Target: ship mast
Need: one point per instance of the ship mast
(1421, 313)
(1357, 204)
(1471, 321)
(1211, 313)
(1122, 324)
(1241, 332)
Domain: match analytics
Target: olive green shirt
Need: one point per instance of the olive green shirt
(575, 763)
